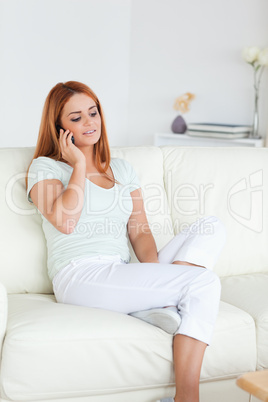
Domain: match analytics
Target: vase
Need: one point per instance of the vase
(254, 133)
(179, 126)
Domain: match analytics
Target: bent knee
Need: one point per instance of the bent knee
(213, 282)
(217, 226)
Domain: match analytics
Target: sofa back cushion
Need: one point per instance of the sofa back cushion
(23, 251)
(22, 242)
(230, 183)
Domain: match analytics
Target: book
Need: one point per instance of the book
(212, 134)
(223, 128)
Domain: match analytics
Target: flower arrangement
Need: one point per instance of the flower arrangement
(258, 59)
(181, 104)
(255, 56)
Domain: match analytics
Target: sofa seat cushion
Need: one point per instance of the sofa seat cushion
(54, 350)
(233, 347)
(250, 293)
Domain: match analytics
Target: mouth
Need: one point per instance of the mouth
(89, 132)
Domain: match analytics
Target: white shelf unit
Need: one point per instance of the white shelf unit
(185, 140)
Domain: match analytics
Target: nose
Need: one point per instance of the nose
(87, 121)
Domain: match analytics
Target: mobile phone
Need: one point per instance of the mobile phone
(60, 128)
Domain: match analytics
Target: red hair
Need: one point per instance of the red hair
(48, 138)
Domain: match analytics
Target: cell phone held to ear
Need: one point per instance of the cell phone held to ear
(60, 128)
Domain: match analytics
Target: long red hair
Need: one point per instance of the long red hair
(48, 138)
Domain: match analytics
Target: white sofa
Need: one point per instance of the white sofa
(55, 352)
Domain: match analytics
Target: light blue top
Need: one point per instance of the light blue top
(101, 229)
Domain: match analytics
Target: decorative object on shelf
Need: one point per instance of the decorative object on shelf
(258, 59)
(181, 104)
(179, 126)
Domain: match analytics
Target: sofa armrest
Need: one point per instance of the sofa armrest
(3, 314)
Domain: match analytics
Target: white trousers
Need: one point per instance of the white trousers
(107, 282)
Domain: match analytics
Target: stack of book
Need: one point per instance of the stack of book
(218, 130)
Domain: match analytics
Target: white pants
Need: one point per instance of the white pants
(107, 282)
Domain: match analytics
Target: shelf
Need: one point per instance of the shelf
(185, 140)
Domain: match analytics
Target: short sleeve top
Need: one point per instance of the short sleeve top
(102, 226)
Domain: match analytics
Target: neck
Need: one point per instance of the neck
(89, 155)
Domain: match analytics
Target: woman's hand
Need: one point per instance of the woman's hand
(69, 151)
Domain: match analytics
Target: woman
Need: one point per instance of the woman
(89, 204)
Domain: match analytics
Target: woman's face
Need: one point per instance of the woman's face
(80, 115)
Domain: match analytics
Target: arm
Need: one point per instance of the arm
(62, 207)
(3, 314)
(139, 232)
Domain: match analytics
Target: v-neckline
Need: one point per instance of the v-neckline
(96, 185)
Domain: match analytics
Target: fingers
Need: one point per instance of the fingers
(62, 139)
(65, 142)
(69, 138)
(65, 137)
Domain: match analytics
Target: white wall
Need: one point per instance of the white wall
(43, 42)
(137, 55)
(194, 46)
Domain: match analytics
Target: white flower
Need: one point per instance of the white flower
(263, 57)
(250, 54)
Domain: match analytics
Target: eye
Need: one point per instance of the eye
(93, 114)
(77, 119)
